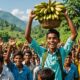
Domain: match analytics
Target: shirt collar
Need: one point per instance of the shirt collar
(53, 52)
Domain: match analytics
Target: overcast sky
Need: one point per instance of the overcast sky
(19, 8)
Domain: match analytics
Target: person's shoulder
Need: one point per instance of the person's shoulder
(73, 66)
(26, 69)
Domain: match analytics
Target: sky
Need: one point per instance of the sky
(20, 8)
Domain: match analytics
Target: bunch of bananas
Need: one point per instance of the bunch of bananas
(48, 11)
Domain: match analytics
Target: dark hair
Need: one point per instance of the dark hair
(46, 74)
(1, 59)
(18, 53)
(53, 31)
(28, 52)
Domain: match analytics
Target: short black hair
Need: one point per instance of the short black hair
(18, 53)
(46, 74)
(53, 31)
(28, 52)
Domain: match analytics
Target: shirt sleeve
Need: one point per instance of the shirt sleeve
(68, 45)
(37, 48)
(11, 66)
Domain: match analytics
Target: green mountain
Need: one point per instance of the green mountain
(12, 19)
(8, 30)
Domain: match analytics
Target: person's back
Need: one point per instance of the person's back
(46, 74)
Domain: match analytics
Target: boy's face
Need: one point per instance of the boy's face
(68, 60)
(52, 41)
(18, 60)
(27, 57)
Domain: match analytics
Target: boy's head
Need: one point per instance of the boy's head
(68, 61)
(46, 74)
(27, 55)
(52, 39)
(53, 31)
(18, 58)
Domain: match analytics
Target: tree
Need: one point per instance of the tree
(73, 8)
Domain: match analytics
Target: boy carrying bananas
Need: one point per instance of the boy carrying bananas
(52, 60)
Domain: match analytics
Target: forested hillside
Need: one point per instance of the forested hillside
(12, 19)
(10, 30)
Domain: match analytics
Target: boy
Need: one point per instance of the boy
(70, 69)
(20, 71)
(52, 39)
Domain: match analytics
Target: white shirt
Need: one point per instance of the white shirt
(6, 74)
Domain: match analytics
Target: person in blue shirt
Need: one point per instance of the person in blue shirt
(52, 40)
(20, 71)
(70, 69)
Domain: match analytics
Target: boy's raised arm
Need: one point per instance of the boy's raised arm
(28, 27)
(71, 26)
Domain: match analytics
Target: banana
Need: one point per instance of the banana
(49, 10)
(49, 17)
(53, 17)
(45, 17)
(36, 17)
(52, 9)
(57, 12)
(45, 11)
(60, 6)
(42, 10)
(57, 3)
(58, 9)
(56, 16)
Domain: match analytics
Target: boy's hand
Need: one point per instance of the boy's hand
(31, 14)
(65, 13)
(1, 43)
(25, 44)
(12, 42)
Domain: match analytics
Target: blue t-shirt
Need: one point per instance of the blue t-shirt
(52, 60)
(24, 74)
(72, 74)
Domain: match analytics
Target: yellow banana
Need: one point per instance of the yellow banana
(57, 3)
(42, 10)
(57, 12)
(49, 17)
(36, 17)
(60, 6)
(45, 11)
(53, 17)
(58, 9)
(56, 16)
(52, 9)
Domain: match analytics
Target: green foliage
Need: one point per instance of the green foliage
(73, 8)
(8, 30)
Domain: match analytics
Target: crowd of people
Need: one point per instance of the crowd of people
(31, 61)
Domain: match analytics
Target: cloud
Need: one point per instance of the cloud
(0, 9)
(23, 15)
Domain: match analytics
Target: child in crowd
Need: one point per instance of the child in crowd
(46, 74)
